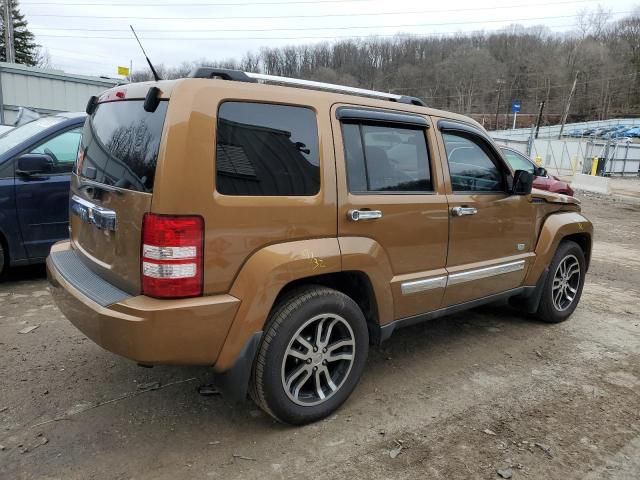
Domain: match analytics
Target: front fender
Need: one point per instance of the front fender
(556, 227)
(261, 279)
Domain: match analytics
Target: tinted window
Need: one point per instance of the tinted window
(19, 134)
(386, 159)
(63, 150)
(470, 165)
(517, 161)
(120, 143)
(265, 149)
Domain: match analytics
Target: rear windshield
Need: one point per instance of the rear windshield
(120, 143)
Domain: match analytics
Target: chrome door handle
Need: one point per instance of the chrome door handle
(357, 215)
(460, 211)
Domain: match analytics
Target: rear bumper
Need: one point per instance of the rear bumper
(150, 331)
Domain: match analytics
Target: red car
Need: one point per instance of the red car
(542, 179)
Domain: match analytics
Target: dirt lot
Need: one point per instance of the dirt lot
(464, 395)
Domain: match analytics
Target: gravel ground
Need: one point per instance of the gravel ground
(460, 397)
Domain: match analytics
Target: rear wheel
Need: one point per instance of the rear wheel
(312, 355)
(563, 287)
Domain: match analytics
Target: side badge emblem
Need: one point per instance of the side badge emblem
(520, 246)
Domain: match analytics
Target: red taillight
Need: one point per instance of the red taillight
(171, 257)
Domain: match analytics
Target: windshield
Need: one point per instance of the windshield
(17, 135)
(518, 162)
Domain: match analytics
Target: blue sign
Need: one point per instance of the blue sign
(515, 106)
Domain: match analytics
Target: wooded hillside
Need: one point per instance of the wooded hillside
(465, 72)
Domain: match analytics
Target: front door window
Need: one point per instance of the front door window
(63, 150)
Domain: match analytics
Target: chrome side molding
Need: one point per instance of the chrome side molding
(416, 286)
(101, 217)
(480, 273)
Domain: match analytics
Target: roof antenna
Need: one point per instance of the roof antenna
(153, 70)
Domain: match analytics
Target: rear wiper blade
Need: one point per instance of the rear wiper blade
(85, 184)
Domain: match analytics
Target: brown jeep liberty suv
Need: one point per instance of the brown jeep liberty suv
(274, 228)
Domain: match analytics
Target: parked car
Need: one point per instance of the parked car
(632, 132)
(542, 179)
(35, 166)
(575, 132)
(598, 132)
(615, 132)
(274, 232)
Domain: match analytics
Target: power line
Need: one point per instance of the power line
(240, 4)
(220, 39)
(351, 27)
(305, 29)
(93, 55)
(261, 17)
(255, 4)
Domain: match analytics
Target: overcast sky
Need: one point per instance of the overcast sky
(92, 37)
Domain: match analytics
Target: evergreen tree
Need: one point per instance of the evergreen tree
(24, 41)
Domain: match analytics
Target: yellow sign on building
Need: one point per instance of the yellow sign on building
(123, 71)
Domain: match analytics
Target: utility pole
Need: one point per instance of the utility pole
(500, 82)
(568, 104)
(539, 119)
(8, 33)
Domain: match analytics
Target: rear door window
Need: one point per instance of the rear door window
(268, 150)
(120, 144)
(384, 158)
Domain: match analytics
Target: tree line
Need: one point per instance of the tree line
(478, 73)
(27, 52)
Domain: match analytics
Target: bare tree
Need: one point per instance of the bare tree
(459, 72)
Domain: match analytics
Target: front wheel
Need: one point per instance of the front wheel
(312, 355)
(563, 287)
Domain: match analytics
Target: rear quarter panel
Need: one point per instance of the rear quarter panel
(236, 226)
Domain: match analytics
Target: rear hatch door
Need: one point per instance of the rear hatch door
(112, 187)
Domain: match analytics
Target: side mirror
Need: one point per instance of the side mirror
(33, 163)
(522, 183)
(540, 172)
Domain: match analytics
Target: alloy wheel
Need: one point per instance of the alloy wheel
(566, 281)
(318, 359)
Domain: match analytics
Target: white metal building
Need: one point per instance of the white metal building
(45, 91)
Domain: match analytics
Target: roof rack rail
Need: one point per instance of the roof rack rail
(240, 76)
(224, 73)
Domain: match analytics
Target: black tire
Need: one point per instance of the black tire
(549, 311)
(269, 378)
